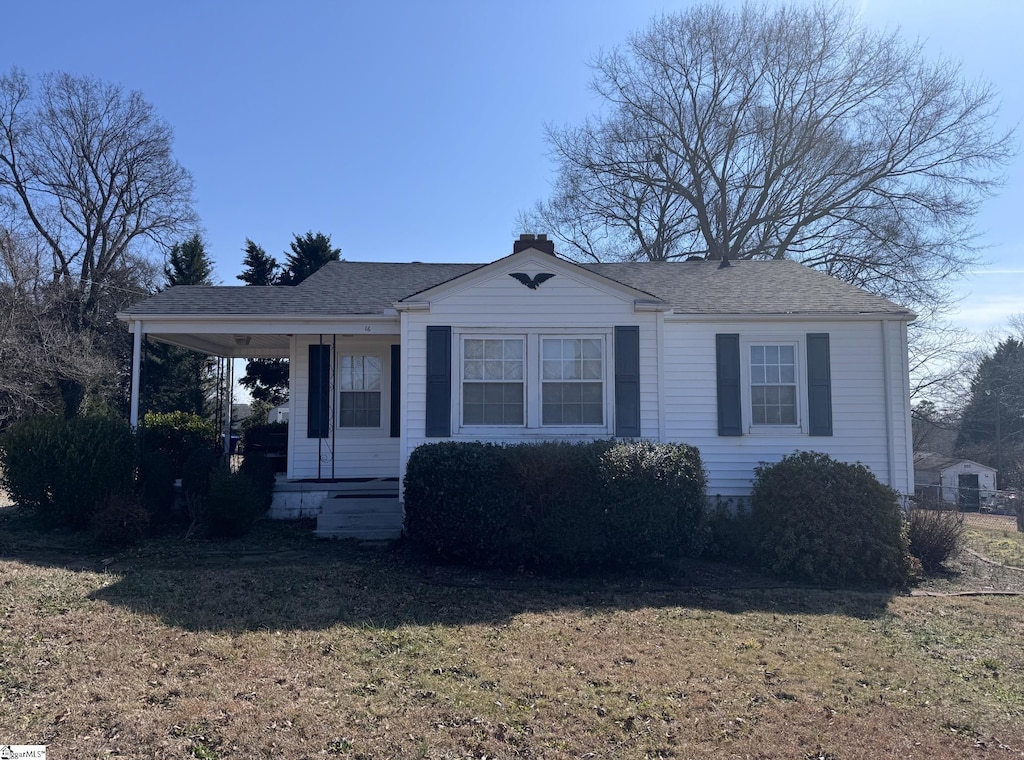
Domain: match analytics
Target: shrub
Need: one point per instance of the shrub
(269, 439)
(935, 536)
(156, 482)
(177, 434)
(730, 534)
(654, 497)
(260, 472)
(29, 456)
(195, 484)
(67, 468)
(232, 504)
(120, 522)
(455, 505)
(820, 520)
(555, 506)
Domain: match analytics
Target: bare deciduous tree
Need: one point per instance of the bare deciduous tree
(89, 166)
(780, 132)
(88, 184)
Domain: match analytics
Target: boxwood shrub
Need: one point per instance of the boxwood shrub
(66, 469)
(177, 434)
(820, 520)
(555, 506)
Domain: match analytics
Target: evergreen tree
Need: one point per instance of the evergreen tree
(266, 379)
(309, 252)
(177, 379)
(188, 264)
(260, 267)
(992, 424)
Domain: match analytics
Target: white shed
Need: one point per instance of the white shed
(952, 479)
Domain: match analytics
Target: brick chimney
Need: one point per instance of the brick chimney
(539, 242)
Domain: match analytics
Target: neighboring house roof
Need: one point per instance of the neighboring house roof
(926, 461)
(688, 287)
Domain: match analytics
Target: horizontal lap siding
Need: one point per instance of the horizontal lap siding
(858, 409)
(501, 303)
(358, 453)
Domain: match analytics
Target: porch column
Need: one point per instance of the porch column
(136, 373)
(229, 392)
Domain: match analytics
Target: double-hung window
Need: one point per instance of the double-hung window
(773, 384)
(534, 380)
(572, 381)
(359, 383)
(493, 381)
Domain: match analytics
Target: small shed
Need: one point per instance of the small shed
(953, 480)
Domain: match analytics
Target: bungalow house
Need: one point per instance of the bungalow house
(747, 360)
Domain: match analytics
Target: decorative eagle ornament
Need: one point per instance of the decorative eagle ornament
(532, 282)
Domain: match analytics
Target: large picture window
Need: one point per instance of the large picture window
(493, 381)
(359, 383)
(773, 384)
(572, 381)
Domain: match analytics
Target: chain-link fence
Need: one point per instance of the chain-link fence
(969, 499)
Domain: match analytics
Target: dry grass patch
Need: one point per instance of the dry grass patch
(303, 649)
(1004, 545)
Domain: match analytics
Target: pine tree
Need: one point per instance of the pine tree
(260, 267)
(992, 424)
(309, 253)
(177, 379)
(266, 379)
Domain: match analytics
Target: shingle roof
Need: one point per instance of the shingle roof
(690, 287)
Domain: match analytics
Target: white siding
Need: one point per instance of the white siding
(354, 452)
(496, 302)
(861, 431)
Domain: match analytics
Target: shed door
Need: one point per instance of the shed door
(970, 494)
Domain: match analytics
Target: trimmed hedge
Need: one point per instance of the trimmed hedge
(556, 506)
(824, 521)
(177, 434)
(67, 469)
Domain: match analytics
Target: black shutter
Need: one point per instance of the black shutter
(819, 385)
(439, 382)
(396, 400)
(318, 408)
(627, 382)
(727, 359)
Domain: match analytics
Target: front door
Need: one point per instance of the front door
(969, 497)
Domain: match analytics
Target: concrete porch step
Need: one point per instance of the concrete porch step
(365, 516)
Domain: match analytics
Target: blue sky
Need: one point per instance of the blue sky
(414, 130)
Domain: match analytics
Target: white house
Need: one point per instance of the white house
(747, 360)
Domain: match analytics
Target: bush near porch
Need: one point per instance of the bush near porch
(556, 506)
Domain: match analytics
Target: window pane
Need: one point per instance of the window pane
(572, 404)
(492, 403)
(786, 354)
(591, 369)
(474, 348)
(757, 354)
(513, 349)
(494, 349)
(788, 374)
(551, 349)
(473, 370)
(359, 409)
(771, 354)
(592, 348)
(493, 370)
